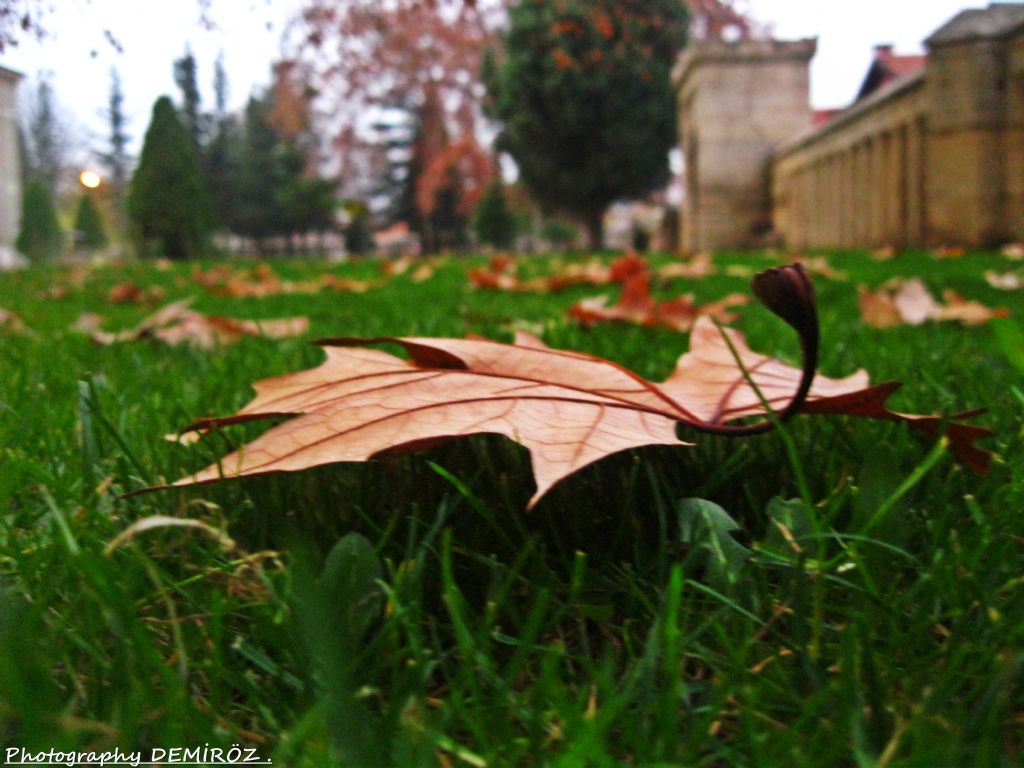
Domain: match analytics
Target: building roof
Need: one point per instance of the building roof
(10, 74)
(998, 20)
(822, 116)
(889, 66)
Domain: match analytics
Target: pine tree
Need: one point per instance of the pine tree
(46, 138)
(495, 224)
(221, 153)
(168, 203)
(89, 230)
(255, 212)
(116, 159)
(41, 236)
(185, 79)
(275, 196)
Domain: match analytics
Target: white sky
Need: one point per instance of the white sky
(155, 32)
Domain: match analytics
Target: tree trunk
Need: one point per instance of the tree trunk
(595, 229)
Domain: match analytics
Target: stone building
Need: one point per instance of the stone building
(10, 171)
(932, 151)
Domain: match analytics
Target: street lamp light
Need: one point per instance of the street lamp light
(90, 179)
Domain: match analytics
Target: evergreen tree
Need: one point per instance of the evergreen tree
(41, 236)
(358, 237)
(221, 154)
(46, 138)
(185, 79)
(275, 196)
(168, 203)
(495, 223)
(583, 90)
(89, 230)
(116, 159)
(220, 87)
(255, 211)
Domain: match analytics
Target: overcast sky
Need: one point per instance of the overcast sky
(155, 32)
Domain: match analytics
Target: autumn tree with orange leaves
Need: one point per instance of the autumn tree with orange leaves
(366, 59)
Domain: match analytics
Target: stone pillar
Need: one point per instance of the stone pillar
(917, 160)
(738, 103)
(846, 204)
(967, 88)
(10, 169)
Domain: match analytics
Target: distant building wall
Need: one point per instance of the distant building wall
(931, 157)
(738, 102)
(860, 180)
(10, 171)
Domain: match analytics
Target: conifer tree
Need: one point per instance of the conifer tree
(186, 80)
(116, 159)
(495, 224)
(90, 233)
(168, 203)
(41, 236)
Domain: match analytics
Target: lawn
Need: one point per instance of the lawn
(414, 613)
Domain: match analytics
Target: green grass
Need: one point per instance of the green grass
(414, 614)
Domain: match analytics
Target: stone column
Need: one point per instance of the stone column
(738, 103)
(10, 169)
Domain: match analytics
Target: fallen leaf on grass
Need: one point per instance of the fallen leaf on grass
(1014, 251)
(133, 293)
(697, 267)
(1004, 281)
(500, 275)
(11, 322)
(949, 252)
(909, 302)
(568, 409)
(261, 281)
(636, 305)
(177, 324)
(883, 254)
(819, 267)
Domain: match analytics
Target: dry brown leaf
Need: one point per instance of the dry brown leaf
(909, 302)
(500, 275)
(636, 305)
(1014, 251)
(210, 332)
(697, 267)
(967, 311)
(422, 269)
(884, 254)
(177, 324)
(260, 281)
(567, 408)
(422, 273)
(819, 267)
(1004, 281)
(133, 293)
(10, 322)
(877, 308)
(914, 302)
(87, 323)
(949, 252)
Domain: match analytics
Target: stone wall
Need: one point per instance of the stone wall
(738, 102)
(10, 173)
(936, 158)
(933, 157)
(860, 180)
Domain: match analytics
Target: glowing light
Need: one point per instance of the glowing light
(90, 179)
